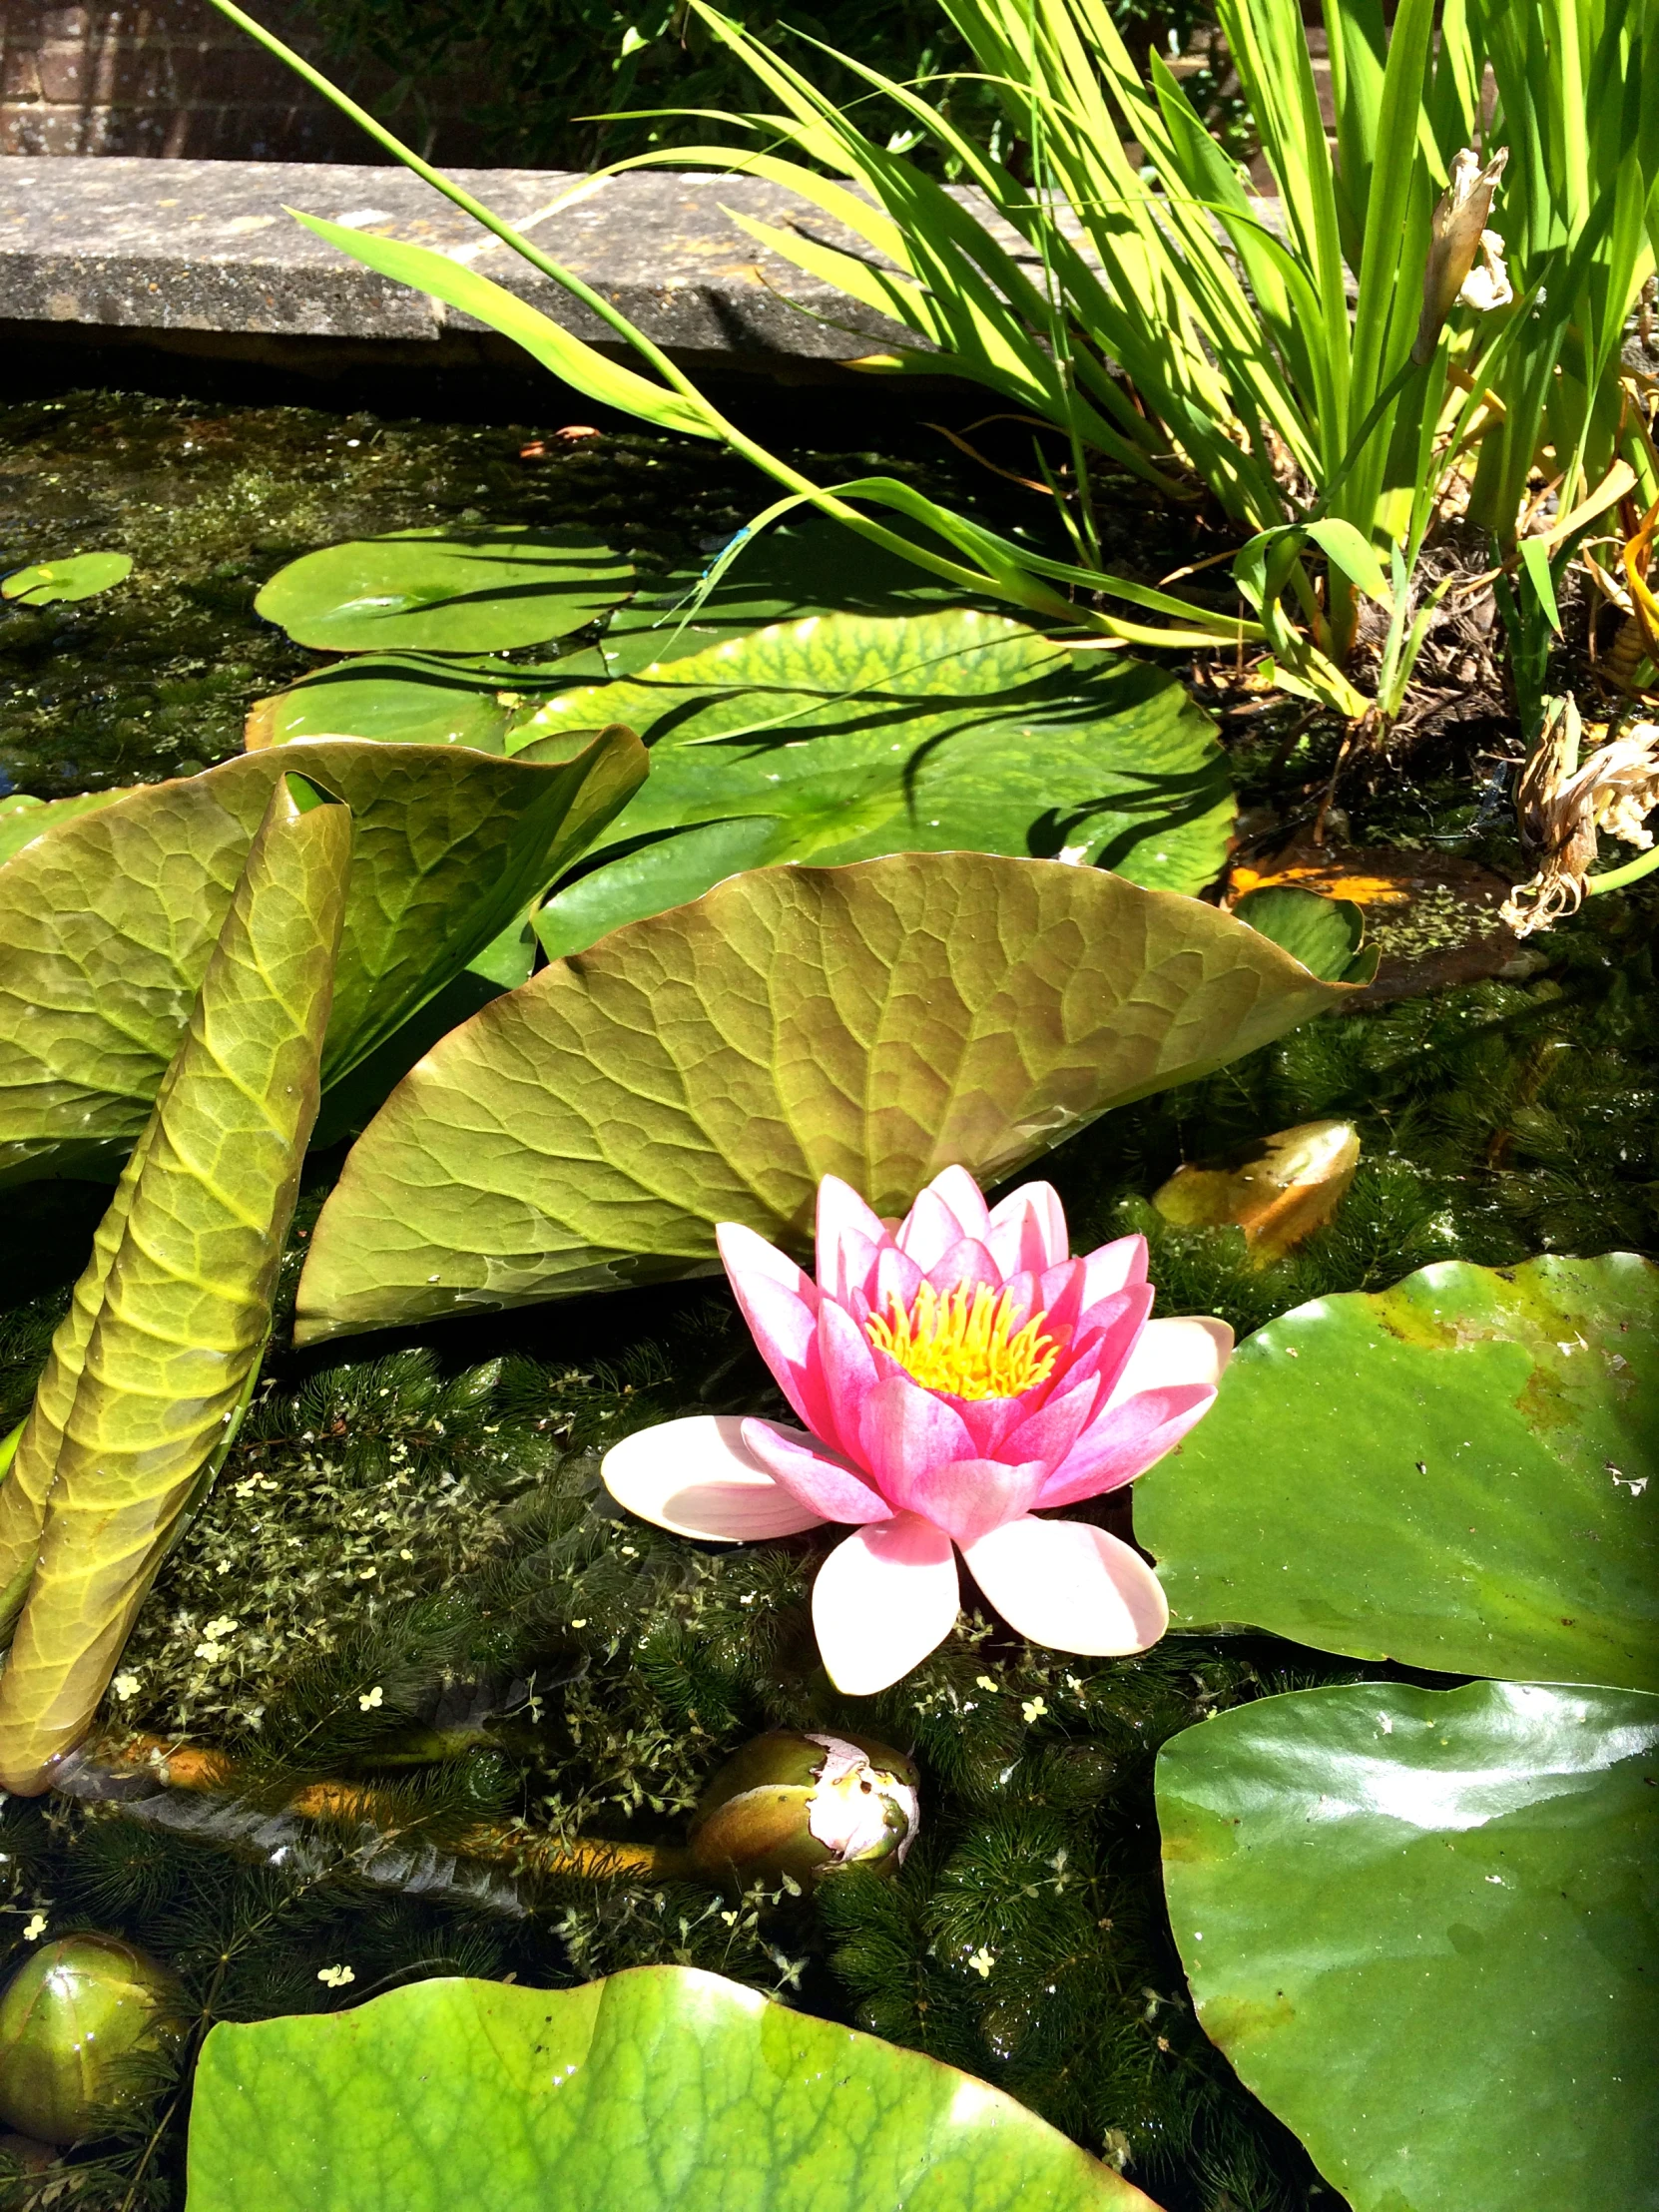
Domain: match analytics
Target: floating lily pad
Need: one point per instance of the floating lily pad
(1423, 1926)
(848, 735)
(662, 2089)
(23, 819)
(82, 576)
(482, 590)
(1325, 934)
(808, 565)
(1458, 1474)
(711, 1063)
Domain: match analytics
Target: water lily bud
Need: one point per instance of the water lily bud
(1457, 234)
(804, 1806)
(67, 2018)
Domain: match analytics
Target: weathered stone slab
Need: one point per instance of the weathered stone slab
(170, 246)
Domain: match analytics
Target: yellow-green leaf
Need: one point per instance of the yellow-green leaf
(184, 1303)
(107, 921)
(711, 1063)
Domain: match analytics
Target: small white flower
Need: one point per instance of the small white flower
(125, 1686)
(221, 1629)
(983, 1682)
(335, 1976)
(211, 1652)
(369, 1701)
(35, 1930)
(982, 1961)
(1035, 1708)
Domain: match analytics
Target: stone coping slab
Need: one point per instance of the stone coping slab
(158, 247)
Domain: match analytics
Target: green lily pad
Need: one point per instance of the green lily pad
(481, 590)
(661, 2090)
(1458, 1474)
(82, 576)
(1325, 934)
(1422, 1925)
(107, 921)
(23, 819)
(808, 565)
(848, 735)
(711, 1063)
(396, 698)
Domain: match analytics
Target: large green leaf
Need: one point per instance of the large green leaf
(481, 590)
(107, 923)
(180, 1284)
(661, 2090)
(842, 736)
(1423, 1926)
(807, 565)
(1458, 1474)
(711, 1063)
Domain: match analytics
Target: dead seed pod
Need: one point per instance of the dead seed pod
(804, 1805)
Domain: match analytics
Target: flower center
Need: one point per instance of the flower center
(962, 1343)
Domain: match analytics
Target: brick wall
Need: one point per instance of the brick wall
(173, 76)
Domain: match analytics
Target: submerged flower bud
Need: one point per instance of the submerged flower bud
(1457, 234)
(804, 1805)
(72, 2019)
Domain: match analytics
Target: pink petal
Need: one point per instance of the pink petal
(1070, 1586)
(847, 1362)
(1028, 1230)
(906, 1432)
(1190, 1348)
(1125, 1440)
(781, 1306)
(1049, 1431)
(963, 1268)
(969, 1497)
(1114, 1267)
(1109, 1331)
(965, 1199)
(928, 1230)
(699, 1479)
(897, 1280)
(883, 1601)
(843, 1214)
(818, 1478)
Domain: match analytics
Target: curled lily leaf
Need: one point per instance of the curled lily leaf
(179, 1297)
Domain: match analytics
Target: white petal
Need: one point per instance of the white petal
(883, 1601)
(1190, 1348)
(1070, 1586)
(699, 1479)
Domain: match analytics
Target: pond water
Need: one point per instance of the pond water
(412, 1528)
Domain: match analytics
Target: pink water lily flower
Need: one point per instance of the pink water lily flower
(953, 1374)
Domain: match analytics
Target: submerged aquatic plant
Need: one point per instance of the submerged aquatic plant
(953, 1374)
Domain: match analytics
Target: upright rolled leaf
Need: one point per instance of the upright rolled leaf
(186, 1298)
(108, 921)
(34, 1461)
(875, 1021)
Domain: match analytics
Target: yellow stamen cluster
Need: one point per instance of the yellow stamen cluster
(962, 1343)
